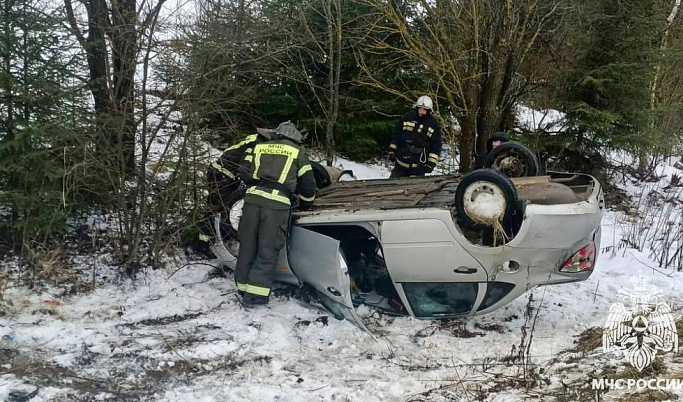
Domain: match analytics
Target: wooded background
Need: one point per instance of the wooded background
(88, 87)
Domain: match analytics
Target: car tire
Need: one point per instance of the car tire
(512, 159)
(500, 198)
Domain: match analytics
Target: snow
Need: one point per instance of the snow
(175, 334)
(549, 120)
(487, 206)
(333, 360)
(382, 169)
(363, 171)
(656, 218)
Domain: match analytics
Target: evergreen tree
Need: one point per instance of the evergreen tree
(40, 117)
(608, 91)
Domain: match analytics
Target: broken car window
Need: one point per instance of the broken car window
(441, 299)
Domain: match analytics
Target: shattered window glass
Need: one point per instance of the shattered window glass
(441, 299)
(494, 292)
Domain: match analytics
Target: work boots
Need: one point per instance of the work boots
(254, 300)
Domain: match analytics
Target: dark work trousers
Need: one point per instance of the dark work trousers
(262, 234)
(400, 171)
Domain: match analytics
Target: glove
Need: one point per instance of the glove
(429, 167)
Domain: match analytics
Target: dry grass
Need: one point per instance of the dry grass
(649, 396)
(588, 341)
(457, 328)
(4, 278)
(654, 225)
(49, 264)
(655, 370)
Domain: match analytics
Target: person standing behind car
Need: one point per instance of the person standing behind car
(277, 169)
(416, 142)
(493, 141)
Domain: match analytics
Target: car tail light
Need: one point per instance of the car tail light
(583, 260)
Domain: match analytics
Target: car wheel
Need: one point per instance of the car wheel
(484, 197)
(512, 159)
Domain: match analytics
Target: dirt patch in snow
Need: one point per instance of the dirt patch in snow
(162, 321)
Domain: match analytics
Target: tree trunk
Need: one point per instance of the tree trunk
(490, 110)
(334, 36)
(13, 178)
(468, 134)
(497, 59)
(337, 78)
(7, 67)
(96, 53)
(468, 126)
(114, 101)
(26, 61)
(124, 49)
(644, 154)
(239, 26)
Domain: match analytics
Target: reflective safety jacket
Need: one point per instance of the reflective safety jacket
(221, 176)
(229, 162)
(278, 170)
(416, 141)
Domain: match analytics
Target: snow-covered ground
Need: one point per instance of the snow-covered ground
(177, 335)
(363, 171)
(548, 120)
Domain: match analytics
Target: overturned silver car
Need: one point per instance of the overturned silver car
(438, 246)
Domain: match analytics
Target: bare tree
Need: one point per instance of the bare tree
(668, 95)
(471, 50)
(333, 21)
(308, 50)
(112, 46)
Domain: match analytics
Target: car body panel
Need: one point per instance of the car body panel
(318, 262)
(423, 244)
(424, 250)
(283, 272)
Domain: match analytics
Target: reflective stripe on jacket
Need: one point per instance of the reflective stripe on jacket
(278, 169)
(229, 162)
(416, 141)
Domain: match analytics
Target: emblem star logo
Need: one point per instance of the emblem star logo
(643, 329)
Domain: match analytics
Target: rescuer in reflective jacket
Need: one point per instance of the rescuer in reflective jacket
(416, 143)
(278, 172)
(223, 177)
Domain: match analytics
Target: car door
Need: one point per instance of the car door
(317, 261)
(433, 274)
